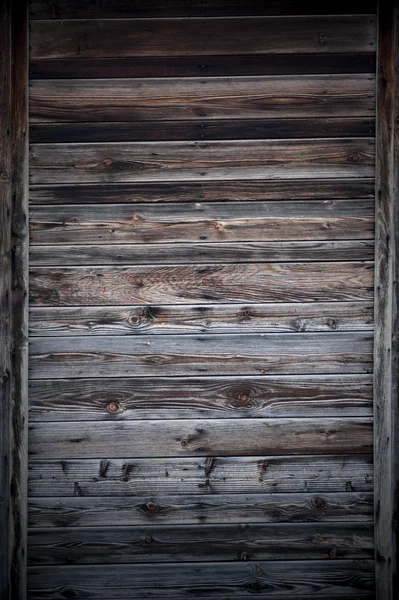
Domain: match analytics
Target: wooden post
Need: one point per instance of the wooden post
(386, 303)
(13, 295)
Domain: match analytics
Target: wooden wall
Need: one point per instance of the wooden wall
(201, 320)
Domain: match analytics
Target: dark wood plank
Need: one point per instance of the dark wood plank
(214, 191)
(95, 9)
(79, 511)
(387, 314)
(220, 318)
(204, 222)
(212, 475)
(208, 284)
(252, 437)
(198, 66)
(187, 37)
(317, 579)
(188, 161)
(202, 99)
(189, 543)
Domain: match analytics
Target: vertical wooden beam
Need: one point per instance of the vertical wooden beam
(386, 305)
(13, 296)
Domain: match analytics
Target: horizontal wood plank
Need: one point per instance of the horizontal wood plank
(188, 543)
(199, 66)
(203, 222)
(195, 437)
(242, 283)
(185, 37)
(215, 191)
(185, 161)
(219, 318)
(170, 99)
(193, 476)
(80, 511)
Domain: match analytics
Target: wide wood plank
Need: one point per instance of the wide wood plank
(198, 66)
(185, 161)
(242, 283)
(170, 99)
(188, 543)
(215, 191)
(200, 222)
(219, 318)
(72, 9)
(211, 475)
(192, 437)
(185, 37)
(80, 511)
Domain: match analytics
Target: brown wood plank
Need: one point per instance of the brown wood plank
(189, 543)
(211, 475)
(192, 437)
(202, 99)
(188, 161)
(80, 511)
(186, 37)
(87, 9)
(220, 318)
(198, 66)
(242, 283)
(204, 222)
(215, 191)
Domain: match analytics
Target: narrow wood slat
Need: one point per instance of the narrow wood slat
(189, 543)
(214, 191)
(185, 37)
(193, 437)
(72, 9)
(211, 475)
(185, 161)
(261, 282)
(170, 99)
(219, 318)
(200, 222)
(79, 511)
(198, 66)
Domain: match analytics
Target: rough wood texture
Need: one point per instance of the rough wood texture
(200, 222)
(190, 543)
(342, 507)
(188, 161)
(194, 476)
(387, 316)
(187, 37)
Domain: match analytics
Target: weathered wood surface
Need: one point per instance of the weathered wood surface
(342, 507)
(243, 283)
(78, 9)
(170, 99)
(199, 222)
(190, 543)
(213, 191)
(187, 37)
(188, 161)
(194, 476)
(192, 437)
(139, 398)
(387, 315)
(198, 66)
(319, 579)
(218, 318)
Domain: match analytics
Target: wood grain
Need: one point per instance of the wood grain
(200, 222)
(194, 476)
(80, 511)
(188, 161)
(242, 283)
(186, 37)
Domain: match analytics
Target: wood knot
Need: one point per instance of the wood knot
(136, 217)
(5, 176)
(148, 539)
(333, 552)
(184, 443)
(152, 506)
(318, 503)
(332, 324)
(219, 226)
(107, 162)
(244, 398)
(354, 158)
(243, 556)
(113, 408)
